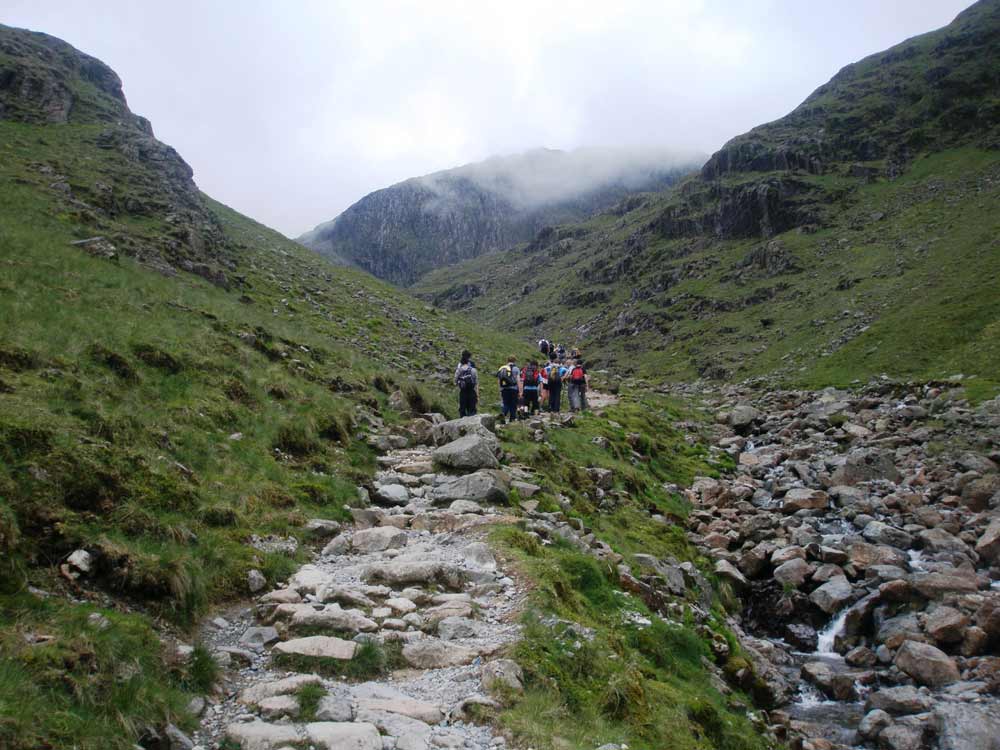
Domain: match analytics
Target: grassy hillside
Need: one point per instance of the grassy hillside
(831, 245)
(188, 383)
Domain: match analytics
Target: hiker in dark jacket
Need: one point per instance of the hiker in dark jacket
(467, 380)
(556, 374)
(530, 382)
(509, 377)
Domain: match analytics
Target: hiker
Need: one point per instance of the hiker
(555, 375)
(560, 353)
(467, 380)
(508, 376)
(544, 346)
(543, 386)
(530, 380)
(578, 380)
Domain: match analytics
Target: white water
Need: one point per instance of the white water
(917, 561)
(826, 637)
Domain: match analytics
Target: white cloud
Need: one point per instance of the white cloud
(330, 100)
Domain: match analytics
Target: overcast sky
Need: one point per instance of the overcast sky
(291, 111)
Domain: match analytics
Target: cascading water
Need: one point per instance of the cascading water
(917, 561)
(828, 635)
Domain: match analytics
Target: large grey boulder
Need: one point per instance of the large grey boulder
(330, 617)
(926, 664)
(988, 546)
(253, 695)
(833, 595)
(484, 486)
(378, 539)
(502, 676)
(899, 701)
(446, 432)
(961, 726)
(392, 494)
(866, 465)
(878, 532)
(742, 418)
(468, 453)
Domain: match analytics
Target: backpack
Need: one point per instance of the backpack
(555, 376)
(543, 346)
(466, 378)
(506, 375)
(530, 376)
(577, 374)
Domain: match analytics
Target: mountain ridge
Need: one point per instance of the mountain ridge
(789, 255)
(400, 232)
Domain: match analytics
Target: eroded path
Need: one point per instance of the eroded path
(412, 584)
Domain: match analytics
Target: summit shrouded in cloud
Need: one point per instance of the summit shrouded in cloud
(403, 231)
(292, 112)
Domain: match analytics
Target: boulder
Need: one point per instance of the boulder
(743, 417)
(833, 595)
(881, 533)
(392, 494)
(502, 676)
(902, 737)
(866, 465)
(402, 572)
(926, 664)
(256, 581)
(485, 486)
(258, 637)
(318, 646)
(729, 572)
(988, 546)
(899, 701)
(803, 498)
(279, 706)
(336, 735)
(962, 726)
(946, 625)
(939, 540)
(480, 424)
(872, 723)
(978, 493)
(432, 653)
(938, 584)
(378, 539)
(479, 556)
(339, 545)
(454, 627)
(468, 453)
(863, 555)
(330, 617)
(321, 528)
(793, 573)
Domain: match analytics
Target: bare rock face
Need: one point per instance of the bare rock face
(926, 664)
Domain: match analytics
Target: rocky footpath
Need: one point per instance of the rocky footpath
(861, 531)
(411, 586)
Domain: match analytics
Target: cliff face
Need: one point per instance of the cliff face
(147, 206)
(403, 231)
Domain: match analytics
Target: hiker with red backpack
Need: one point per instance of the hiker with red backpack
(530, 382)
(467, 380)
(555, 373)
(578, 380)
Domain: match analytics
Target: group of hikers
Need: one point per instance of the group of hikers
(531, 387)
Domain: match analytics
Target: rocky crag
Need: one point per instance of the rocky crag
(861, 532)
(850, 228)
(142, 201)
(401, 232)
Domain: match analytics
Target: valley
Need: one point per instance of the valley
(238, 509)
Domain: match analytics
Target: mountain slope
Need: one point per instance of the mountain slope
(403, 231)
(857, 235)
(177, 383)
